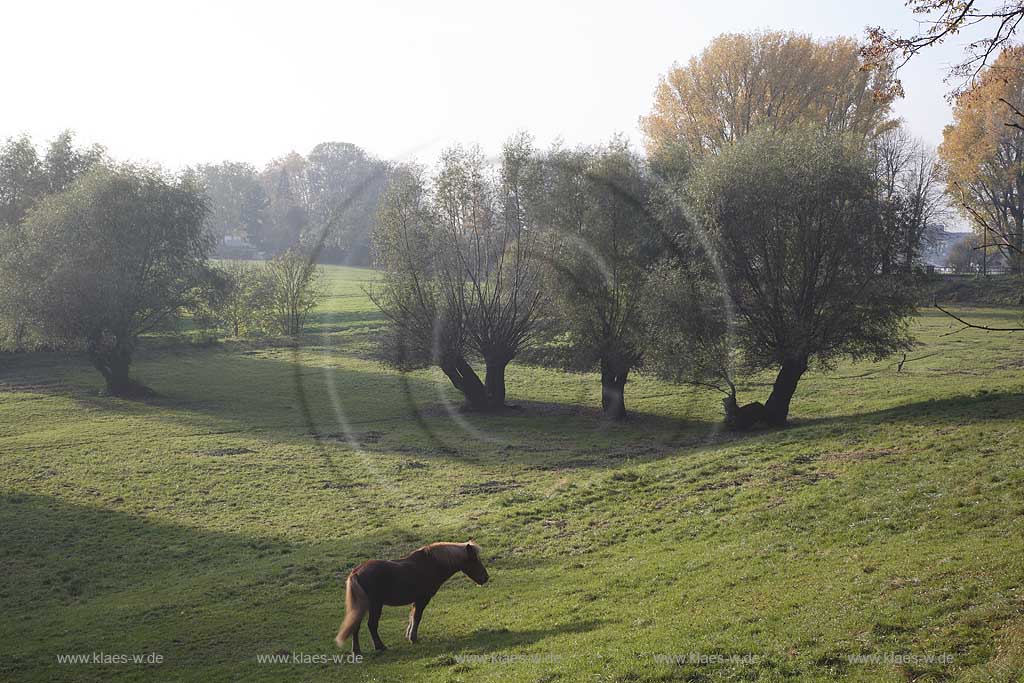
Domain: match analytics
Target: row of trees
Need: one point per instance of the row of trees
(771, 225)
(324, 201)
(775, 262)
(773, 222)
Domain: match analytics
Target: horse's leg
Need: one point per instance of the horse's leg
(375, 609)
(414, 620)
(355, 640)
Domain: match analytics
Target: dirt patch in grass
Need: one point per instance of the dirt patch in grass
(368, 437)
(359, 438)
(1013, 364)
(812, 477)
(568, 465)
(484, 487)
(335, 485)
(220, 452)
(724, 484)
(789, 476)
(548, 409)
(863, 454)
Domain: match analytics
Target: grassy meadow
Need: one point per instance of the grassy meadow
(215, 524)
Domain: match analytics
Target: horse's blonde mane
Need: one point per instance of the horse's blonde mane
(452, 554)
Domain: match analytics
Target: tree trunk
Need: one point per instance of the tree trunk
(113, 358)
(494, 383)
(613, 390)
(1014, 256)
(118, 381)
(465, 379)
(1015, 238)
(777, 407)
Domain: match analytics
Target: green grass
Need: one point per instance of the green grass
(218, 521)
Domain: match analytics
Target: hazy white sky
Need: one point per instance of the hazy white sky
(184, 82)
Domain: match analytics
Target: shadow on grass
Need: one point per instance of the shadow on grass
(440, 650)
(987, 406)
(358, 404)
(346, 403)
(328, 322)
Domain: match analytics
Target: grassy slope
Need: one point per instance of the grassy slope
(209, 525)
(974, 290)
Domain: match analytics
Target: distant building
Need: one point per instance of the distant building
(937, 248)
(236, 247)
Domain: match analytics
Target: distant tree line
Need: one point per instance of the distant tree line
(325, 201)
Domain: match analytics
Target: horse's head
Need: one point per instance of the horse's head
(472, 566)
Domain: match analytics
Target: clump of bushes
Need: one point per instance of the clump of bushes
(247, 298)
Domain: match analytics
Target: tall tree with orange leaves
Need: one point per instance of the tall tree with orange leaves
(773, 79)
(983, 151)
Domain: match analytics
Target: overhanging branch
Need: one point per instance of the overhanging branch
(973, 326)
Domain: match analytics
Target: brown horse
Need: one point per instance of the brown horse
(411, 580)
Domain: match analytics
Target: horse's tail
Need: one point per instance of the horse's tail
(356, 605)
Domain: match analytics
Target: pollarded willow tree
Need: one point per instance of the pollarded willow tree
(113, 256)
(771, 79)
(604, 239)
(793, 218)
(461, 281)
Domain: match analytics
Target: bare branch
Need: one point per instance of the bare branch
(972, 326)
